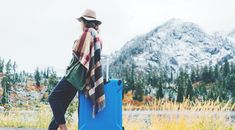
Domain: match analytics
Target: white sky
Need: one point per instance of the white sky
(41, 32)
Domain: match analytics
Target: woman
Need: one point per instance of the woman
(83, 74)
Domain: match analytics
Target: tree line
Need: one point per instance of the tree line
(209, 82)
(11, 78)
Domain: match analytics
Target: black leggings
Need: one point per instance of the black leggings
(59, 100)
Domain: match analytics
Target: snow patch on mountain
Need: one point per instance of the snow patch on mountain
(176, 44)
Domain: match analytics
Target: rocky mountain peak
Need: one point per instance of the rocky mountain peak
(176, 44)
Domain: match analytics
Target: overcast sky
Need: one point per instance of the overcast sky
(41, 32)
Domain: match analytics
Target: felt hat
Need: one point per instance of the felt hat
(89, 15)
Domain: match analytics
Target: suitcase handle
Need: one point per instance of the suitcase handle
(107, 67)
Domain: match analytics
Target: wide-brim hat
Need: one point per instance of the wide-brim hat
(89, 15)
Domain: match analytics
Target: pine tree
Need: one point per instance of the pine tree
(232, 67)
(172, 77)
(180, 90)
(37, 77)
(6, 87)
(223, 89)
(132, 78)
(15, 76)
(52, 81)
(226, 68)
(197, 73)
(126, 80)
(216, 72)
(201, 91)
(205, 74)
(193, 76)
(138, 92)
(150, 75)
(155, 80)
(159, 94)
(47, 72)
(189, 91)
(231, 84)
(164, 77)
(6, 83)
(1, 65)
(211, 74)
(8, 67)
(129, 78)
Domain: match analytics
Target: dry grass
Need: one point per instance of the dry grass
(203, 121)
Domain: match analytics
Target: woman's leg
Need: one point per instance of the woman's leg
(59, 100)
(53, 125)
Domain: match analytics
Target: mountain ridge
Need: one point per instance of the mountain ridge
(173, 45)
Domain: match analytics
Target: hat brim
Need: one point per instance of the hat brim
(89, 19)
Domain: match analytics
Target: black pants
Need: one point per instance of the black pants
(59, 100)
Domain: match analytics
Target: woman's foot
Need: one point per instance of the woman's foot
(63, 127)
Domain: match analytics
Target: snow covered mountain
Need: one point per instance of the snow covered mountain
(173, 45)
(231, 35)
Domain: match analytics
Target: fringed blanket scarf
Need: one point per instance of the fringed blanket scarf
(88, 50)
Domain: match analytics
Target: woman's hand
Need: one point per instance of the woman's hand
(105, 81)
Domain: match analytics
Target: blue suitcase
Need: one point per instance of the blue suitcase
(110, 118)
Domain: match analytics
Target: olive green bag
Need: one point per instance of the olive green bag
(76, 74)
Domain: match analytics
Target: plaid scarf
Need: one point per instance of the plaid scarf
(88, 50)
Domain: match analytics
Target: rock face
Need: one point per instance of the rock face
(173, 45)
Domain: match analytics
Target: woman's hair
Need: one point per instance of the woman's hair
(90, 24)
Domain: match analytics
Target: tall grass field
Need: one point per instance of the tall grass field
(156, 115)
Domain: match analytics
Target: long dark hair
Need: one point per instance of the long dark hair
(90, 24)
